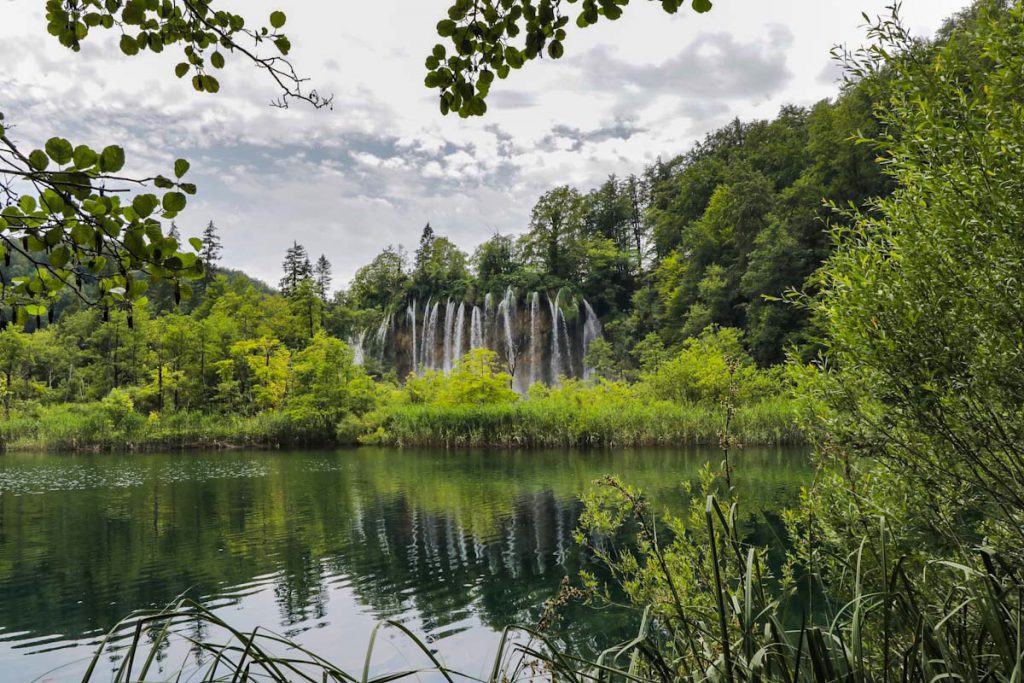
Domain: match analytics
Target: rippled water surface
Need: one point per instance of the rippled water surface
(321, 545)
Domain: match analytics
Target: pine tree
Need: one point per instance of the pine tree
(426, 249)
(174, 233)
(322, 274)
(296, 268)
(210, 253)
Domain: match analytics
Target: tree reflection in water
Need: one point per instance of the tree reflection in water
(320, 545)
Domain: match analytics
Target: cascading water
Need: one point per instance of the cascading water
(411, 314)
(422, 362)
(591, 331)
(382, 335)
(357, 347)
(476, 330)
(435, 337)
(565, 335)
(449, 324)
(556, 353)
(505, 316)
(488, 308)
(460, 324)
(534, 337)
(431, 338)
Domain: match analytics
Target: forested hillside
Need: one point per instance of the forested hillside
(695, 246)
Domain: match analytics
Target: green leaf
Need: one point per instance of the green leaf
(129, 46)
(38, 160)
(217, 60)
(84, 157)
(174, 201)
(196, 243)
(144, 204)
(702, 6)
(181, 167)
(181, 69)
(445, 28)
(111, 159)
(52, 201)
(60, 256)
(60, 150)
(277, 19)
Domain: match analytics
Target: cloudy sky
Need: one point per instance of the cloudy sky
(371, 172)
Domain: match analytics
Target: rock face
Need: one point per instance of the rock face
(535, 342)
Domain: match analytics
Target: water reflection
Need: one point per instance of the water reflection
(316, 545)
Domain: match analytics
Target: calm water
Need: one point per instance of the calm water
(321, 545)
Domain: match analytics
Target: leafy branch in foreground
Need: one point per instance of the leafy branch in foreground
(62, 218)
(204, 33)
(489, 38)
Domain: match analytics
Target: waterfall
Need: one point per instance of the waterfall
(505, 314)
(476, 331)
(488, 307)
(435, 337)
(356, 343)
(534, 337)
(460, 323)
(449, 324)
(382, 335)
(591, 331)
(423, 336)
(431, 339)
(411, 314)
(556, 353)
(568, 346)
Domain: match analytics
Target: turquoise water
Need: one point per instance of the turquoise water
(319, 546)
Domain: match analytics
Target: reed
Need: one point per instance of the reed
(535, 423)
(91, 427)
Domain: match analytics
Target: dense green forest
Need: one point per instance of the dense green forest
(690, 259)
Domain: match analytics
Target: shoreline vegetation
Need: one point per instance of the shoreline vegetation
(528, 424)
(709, 390)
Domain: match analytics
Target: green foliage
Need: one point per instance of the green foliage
(327, 388)
(440, 268)
(605, 414)
(488, 38)
(715, 610)
(203, 33)
(70, 229)
(713, 367)
(477, 380)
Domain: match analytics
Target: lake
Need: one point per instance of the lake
(320, 545)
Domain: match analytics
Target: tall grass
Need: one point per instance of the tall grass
(91, 427)
(548, 423)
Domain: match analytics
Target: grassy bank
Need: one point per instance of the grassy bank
(90, 427)
(524, 424)
(551, 423)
